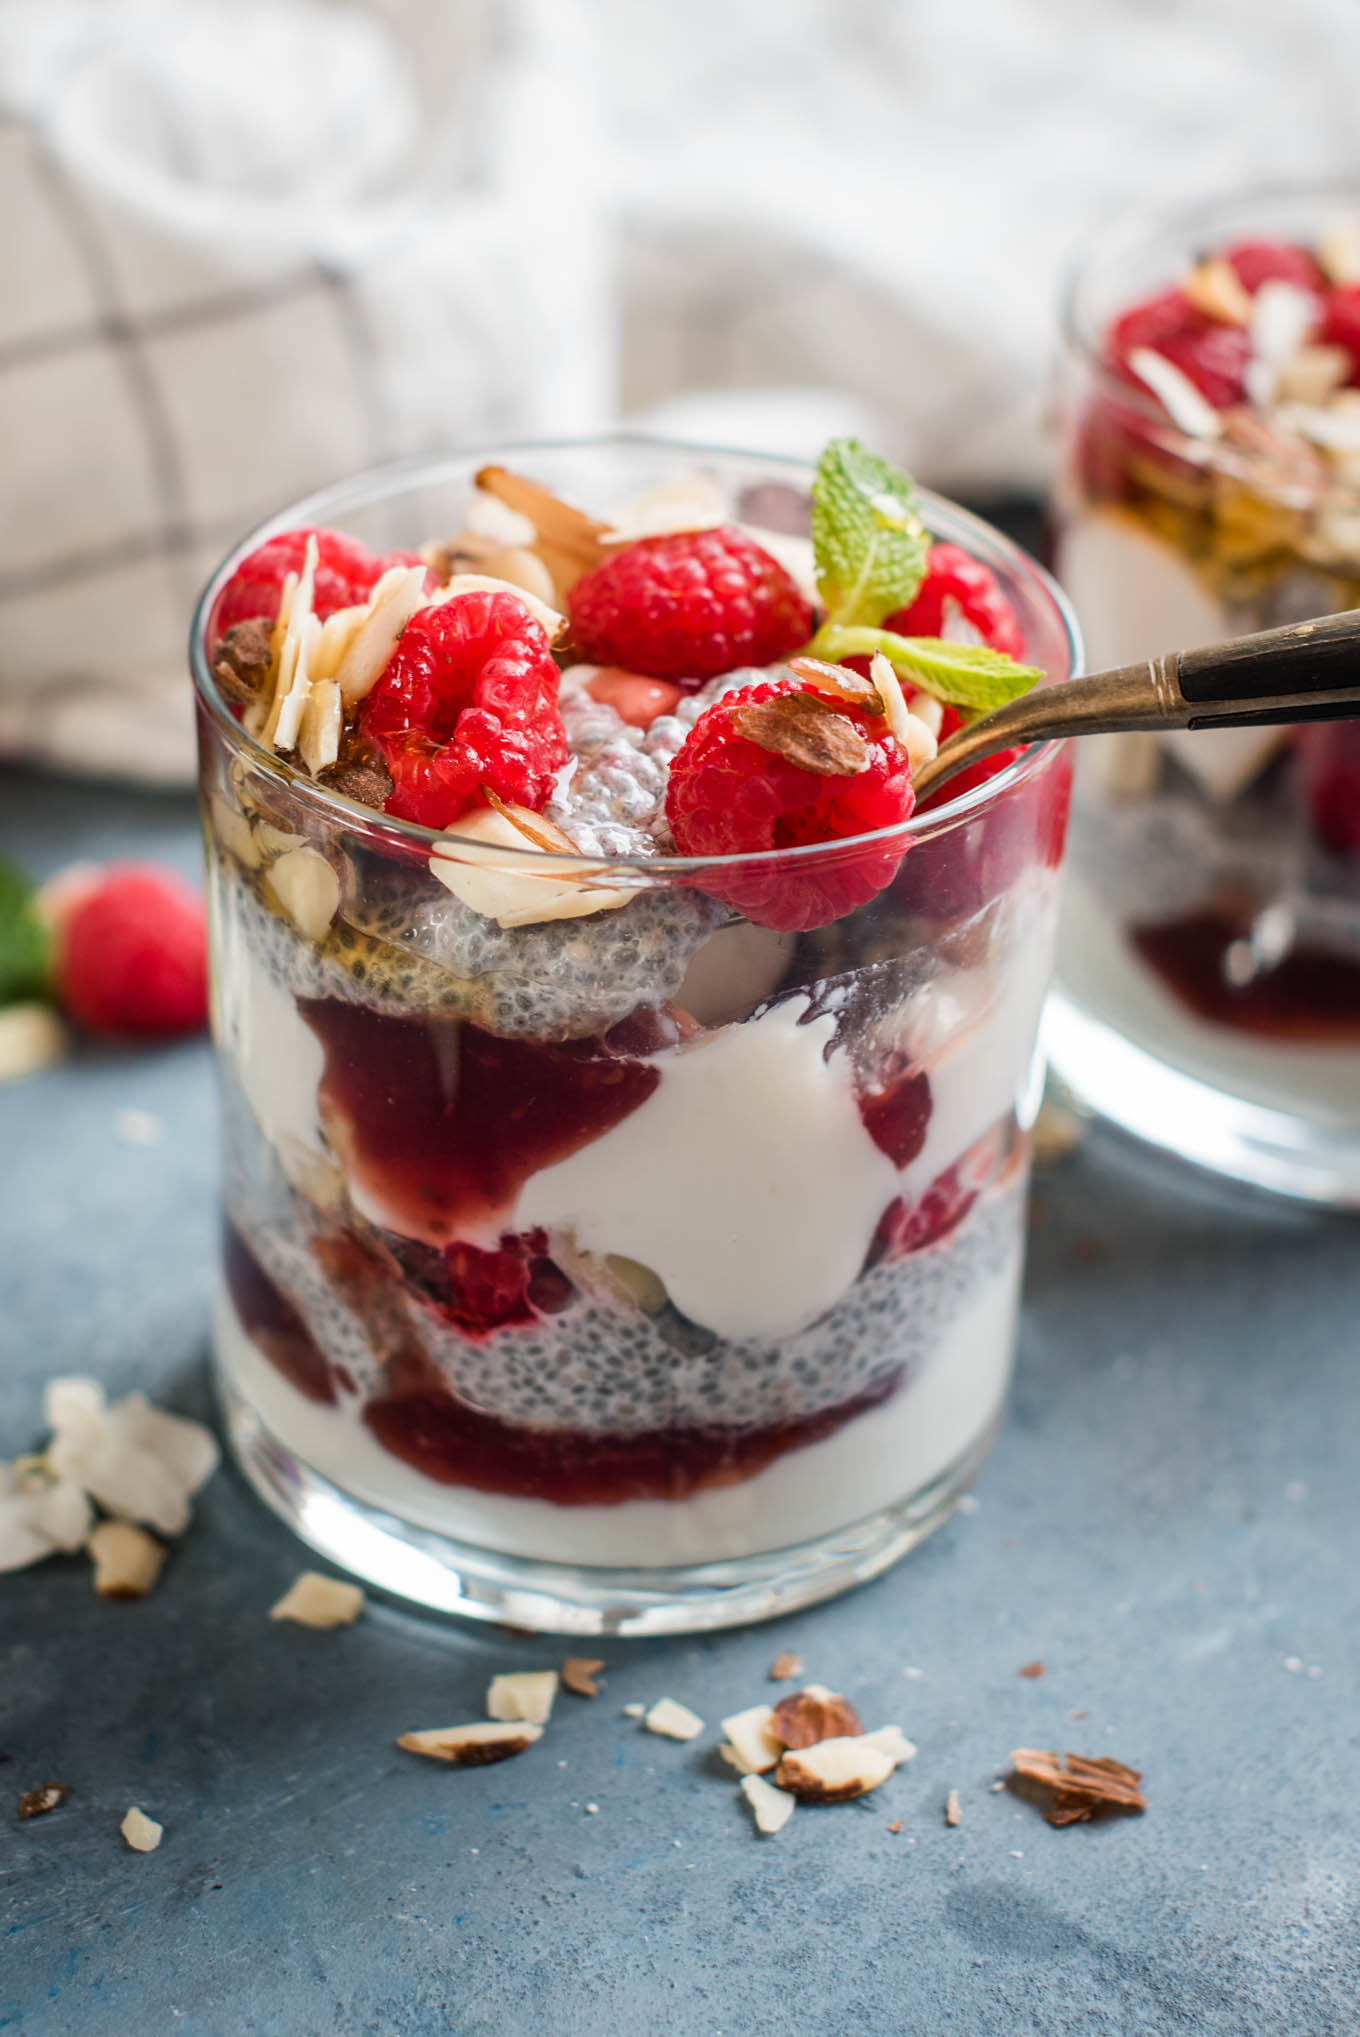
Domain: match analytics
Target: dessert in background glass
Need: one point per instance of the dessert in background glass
(620, 1238)
(1208, 985)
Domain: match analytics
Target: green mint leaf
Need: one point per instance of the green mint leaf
(971, 676)
(25, 944)
(869, 542)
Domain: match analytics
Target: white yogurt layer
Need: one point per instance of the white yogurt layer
(746, 1181)
(277, 1057)
(874, 1460)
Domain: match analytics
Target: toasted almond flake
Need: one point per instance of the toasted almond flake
(893, 1742)
(897, 1826)
(308, 890)
(568, 541)
(472, 1746)
(953, 1809)
(518, 897)
(807, 731)
(579, 1673)
(1082, 1785)
(833, 1771)
(550, 620)
(496, 523)
(1313, 374)
(322, 720)
(394, 600)
(1215, 288)
(785, 1666)
(143, 1834)
(295, 641)
(1176, 393)
(849, 686)
(523, 1694)
(924, 707)
(32, 1037)
(36, 1803)
(889, 688)
(338, 632)
(231, 831)
(696, 503)
(753, 1747)
(773, 1807)
(813, 1714)
(1335, 426)
(673, 1720)
(315, 1600)
(127, 1561)
(1338, 251)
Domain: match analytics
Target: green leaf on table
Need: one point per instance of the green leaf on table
(25, 944)
(870, 544)
(970, 676)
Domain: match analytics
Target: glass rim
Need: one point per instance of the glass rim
(373, 485)
(1135, 226)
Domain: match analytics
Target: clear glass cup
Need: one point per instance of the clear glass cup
(1208, 981)
(641, 1270)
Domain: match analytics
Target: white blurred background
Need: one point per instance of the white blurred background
(249, 245)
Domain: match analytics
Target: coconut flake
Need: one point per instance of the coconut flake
(894, 701)
(834, 1771)
(696, 503)
(1184, 405)
(315, 1600)
(394, 600)
(127, 1561)
(143, 1834)
(753, 1747)
(1333, 425)
(550, 620)
(526, 1694)
(773, 1807)
(472, 1746)
(673, 1720)
(308, 889)
(1282, 316)
(138, 1462)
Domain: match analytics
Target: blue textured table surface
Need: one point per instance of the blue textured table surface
(1170, 1523)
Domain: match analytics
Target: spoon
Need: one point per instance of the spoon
(1307, 671)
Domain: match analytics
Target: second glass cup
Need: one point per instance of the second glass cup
(599, 1257)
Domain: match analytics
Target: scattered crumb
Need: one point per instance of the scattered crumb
(35, 1803)
(314, 1600)
(995, 1787)
(1080, 1715)
(673, 1721)
(784, 1666)
(579, 1673)
(473, 1746)
(1315, 1669)
(916, 1675)
(967, 1503)
(634, 1711)
(139, 1127)
(953, 1809)
(143, 1834)
(896, 1826)
(1031, 1670)
(592, 1810)
(1016, 1854)
(1081, 1786)
(525, 1694)
(127, 1561)
(1293, 1663)
(772, 1807)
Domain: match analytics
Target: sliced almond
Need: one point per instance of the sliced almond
(297, 632)
(753, 1746)
(813, 1714)
(893, 1742)
(322, 720)
(472, 1746)
(568, 541)
(550, 620)
(308, 890)
(31, 1037)
(696, 503)
(806, 730)
(1081, 1785)
(394, 600)
(338, 632)
(231, 831)
(1312, 374)
(953, 1809)
(36, 1803)
(833, 1771)
(889, 688)
(579, 1673)
(524, 1694)
(1338, 251)
(1215, 288)
(924, 707)
(143, 1834)
(773, 1807)
(673, 1720)
(516, 898)
(493, 522)
(840, 680)
(1188, 410)
(127, 1561)
(315, 1600)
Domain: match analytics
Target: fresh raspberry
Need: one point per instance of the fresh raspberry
(729, 795)
(131, 951)
(1273, 261)
(1341, 324)
(688, 606)
(346, 574)
(958, 587)
(469, 698)
(1212, 354)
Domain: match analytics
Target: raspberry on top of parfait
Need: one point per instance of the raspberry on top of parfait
(736, 704)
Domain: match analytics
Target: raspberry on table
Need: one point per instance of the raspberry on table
(1214, 356)
(959, 587)
(688, 606)
(131, 951)
(730, 795)
(346, 574)
(468, 699)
